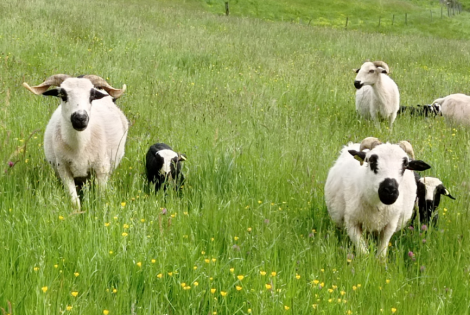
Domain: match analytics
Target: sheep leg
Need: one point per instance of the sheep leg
(355, 234)
(67, 179)
(102, 179)
(384, 238)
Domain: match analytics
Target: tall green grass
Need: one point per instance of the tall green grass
(415, 17)
(261, 110)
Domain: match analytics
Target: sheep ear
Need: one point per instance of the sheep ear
(443, 191)
(356, 70)
(382, 70)
(418, 165)
(52, 92)
(360, 156)
(181, 157)
(96, 95)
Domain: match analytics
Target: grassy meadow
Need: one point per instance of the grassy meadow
(261, 110)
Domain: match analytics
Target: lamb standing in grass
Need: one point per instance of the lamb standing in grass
(429, 192)
(86, 133)
(163, 165)
(377, 95)
(372, 191)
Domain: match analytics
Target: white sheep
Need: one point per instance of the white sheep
(455, 108)
(86, 133)
(377, 95)
(372, 191)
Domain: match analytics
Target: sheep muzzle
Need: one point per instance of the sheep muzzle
(79, 121)
(358, 84)
(388, 191)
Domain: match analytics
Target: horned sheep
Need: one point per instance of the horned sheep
(372, 190)
(86, 133)
(377, 95)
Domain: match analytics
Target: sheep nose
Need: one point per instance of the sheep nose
(358, 84)
(388, 191)
(79, 120)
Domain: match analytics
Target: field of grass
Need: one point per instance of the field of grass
(417, 17)
(261, 110)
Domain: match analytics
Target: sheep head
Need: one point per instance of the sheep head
(77, 95)
(385, 169)
(369, 73)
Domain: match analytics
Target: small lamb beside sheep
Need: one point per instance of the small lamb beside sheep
(163, 165)
(429, 192)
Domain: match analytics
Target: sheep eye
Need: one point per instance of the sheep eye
(405, 165)
(371, 71)
(373, 163)
(63, 96)
(405, 162)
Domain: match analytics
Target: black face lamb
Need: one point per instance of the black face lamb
(163, 165)
(429, 191)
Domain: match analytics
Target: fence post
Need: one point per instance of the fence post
(226, 8)
(346, 26)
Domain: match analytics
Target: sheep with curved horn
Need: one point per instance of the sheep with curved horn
(377, 95)
(86, 133)
(376, 194)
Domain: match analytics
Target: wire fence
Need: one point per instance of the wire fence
(447, 9)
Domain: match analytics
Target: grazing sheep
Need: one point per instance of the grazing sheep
(420, 110)
(86, 133)
(429, 191)
(377, 94)
(455, 108)
(163, 164)
(375, 194)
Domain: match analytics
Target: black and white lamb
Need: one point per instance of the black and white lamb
(429, 192)
(164, 165)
